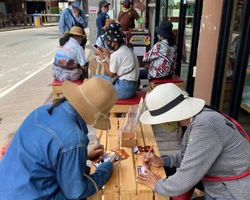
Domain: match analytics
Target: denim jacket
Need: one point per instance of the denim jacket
(66, 20)
(47, 158)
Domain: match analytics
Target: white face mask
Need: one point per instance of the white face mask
(159, 37)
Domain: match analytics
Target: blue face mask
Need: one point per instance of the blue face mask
(104, 12)
(76, 4)
(79, 41)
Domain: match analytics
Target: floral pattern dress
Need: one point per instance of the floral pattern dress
(162, 58)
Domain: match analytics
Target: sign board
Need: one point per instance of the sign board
(140, 40)
(93, 9)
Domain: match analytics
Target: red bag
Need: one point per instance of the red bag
(4, 149)
(189, 194)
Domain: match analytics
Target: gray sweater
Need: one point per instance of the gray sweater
(213, 146)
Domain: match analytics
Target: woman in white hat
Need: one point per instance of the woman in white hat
(70, 62)
(213, 149)
(47, 156)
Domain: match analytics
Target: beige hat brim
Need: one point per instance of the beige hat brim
(186, 109)
(75, 33)
(72, 93)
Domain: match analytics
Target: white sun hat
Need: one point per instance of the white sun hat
(168, 103)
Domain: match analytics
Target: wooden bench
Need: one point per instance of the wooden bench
(121, 184)
(122, 105)
(57, 88)
(174, 79)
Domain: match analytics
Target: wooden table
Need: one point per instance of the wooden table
(122, 185)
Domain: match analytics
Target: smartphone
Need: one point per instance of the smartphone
(96, 47)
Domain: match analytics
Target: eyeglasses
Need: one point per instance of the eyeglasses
(139, 149)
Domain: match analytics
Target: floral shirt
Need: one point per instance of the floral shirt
(162, 58)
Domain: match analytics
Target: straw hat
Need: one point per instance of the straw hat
(168, 103)
(108, 21)
(75, 30)
(92, 100)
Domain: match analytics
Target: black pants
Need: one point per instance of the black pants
(171, 171)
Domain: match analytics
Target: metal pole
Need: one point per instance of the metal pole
(194, 45)
(181, 30)
(242, 57)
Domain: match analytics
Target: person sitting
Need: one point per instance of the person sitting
(95, 65)
(70, 62)
(214, 149)
(163, 55)
(102, 16)
(48, 154)
(123, 69)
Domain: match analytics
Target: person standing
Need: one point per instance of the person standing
(73, 16)
(102, 17)
(128, 15)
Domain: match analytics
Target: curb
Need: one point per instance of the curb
(25, 27)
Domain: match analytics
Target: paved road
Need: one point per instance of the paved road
(25, 77)
(25, 53)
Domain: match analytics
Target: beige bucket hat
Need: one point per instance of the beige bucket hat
(75, 30)
(92, 100)
(168, 103)
(108, 21)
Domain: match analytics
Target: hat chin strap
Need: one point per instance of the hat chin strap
(103, 115)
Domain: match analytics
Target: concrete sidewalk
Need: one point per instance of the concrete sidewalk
(13, 28)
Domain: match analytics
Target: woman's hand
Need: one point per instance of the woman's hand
(99, 53)
(149, 180)
(96, 153)
(106, 52)
(152, 160)
(76, 12)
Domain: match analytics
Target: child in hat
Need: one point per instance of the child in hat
(163, 55)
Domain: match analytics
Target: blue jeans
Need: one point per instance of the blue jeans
(125, 89)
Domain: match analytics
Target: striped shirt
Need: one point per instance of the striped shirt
(211, 145)
(162, 58)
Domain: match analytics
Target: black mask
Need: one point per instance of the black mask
(110, 47)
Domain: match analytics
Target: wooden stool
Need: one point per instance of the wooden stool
(122, 105)
(57, 88)
(174, 79)
(228, 89)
